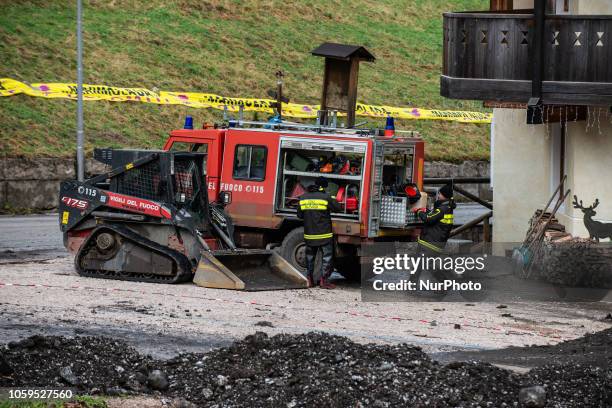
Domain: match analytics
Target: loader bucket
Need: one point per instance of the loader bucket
(247, 269)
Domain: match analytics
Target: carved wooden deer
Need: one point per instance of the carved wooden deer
(596, 229)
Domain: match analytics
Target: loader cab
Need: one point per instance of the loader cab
(167, 177)
(189, 191)
(192, 147)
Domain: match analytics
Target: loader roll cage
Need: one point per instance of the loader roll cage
(141, 174)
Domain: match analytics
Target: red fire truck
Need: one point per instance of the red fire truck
(263, 167)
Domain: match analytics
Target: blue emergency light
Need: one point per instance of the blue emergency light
(390, 123)
(188, 123)
(390, 127)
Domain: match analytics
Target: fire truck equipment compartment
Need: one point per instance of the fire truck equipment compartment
(332, 160)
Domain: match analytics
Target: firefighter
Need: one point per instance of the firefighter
(438, 223)
(315, 209)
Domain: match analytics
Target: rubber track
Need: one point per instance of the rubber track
(183, 266)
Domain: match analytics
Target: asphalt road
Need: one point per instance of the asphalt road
(30, 237)
(36, 236)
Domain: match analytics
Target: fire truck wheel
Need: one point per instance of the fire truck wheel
(293, 249)
(349, 267)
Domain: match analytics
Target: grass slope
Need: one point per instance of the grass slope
(228, 47)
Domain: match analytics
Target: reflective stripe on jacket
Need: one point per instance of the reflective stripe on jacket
(315, 208)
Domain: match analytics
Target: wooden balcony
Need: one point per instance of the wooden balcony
(491, 56)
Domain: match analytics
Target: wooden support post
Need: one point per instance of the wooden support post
(539, 10)
(500, 5)
(534, 106)
(352, 93)
(486, 230)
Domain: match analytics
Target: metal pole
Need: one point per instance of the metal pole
(80, 135)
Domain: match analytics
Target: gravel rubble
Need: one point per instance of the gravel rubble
(313, 369)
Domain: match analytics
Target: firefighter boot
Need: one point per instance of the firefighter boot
(326, 284)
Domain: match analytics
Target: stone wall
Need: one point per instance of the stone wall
(32, 184)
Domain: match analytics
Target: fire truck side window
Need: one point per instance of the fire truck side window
(250, 162)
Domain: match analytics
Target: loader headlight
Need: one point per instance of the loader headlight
(225, 197)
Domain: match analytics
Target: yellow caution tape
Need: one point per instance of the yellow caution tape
(10, 87)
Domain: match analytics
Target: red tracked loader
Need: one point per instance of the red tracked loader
(149, 219)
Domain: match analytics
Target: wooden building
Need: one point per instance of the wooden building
(545, 66)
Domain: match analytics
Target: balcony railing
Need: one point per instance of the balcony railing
(490, 56)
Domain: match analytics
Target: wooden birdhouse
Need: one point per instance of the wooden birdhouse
(340, 77)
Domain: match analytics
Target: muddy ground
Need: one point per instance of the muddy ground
(593, 349)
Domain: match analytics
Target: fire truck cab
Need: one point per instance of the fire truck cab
(264, 169)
